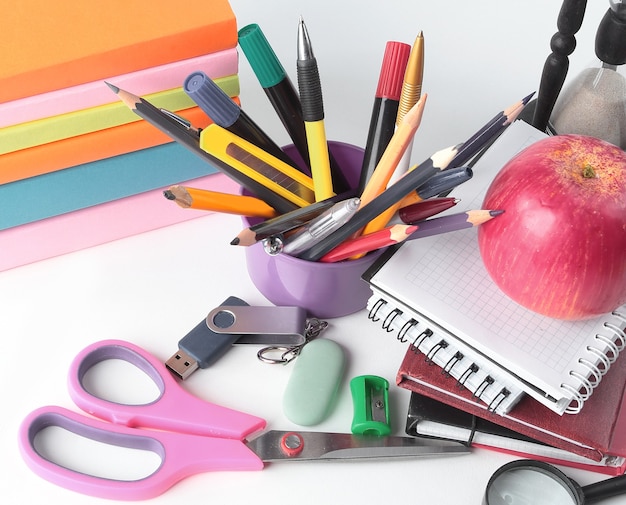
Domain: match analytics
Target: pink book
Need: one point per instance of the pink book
(92, 94)
(100, 224)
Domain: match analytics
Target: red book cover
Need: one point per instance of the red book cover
(597, 431)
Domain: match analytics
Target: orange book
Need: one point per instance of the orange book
(89, 147)
(53, 45)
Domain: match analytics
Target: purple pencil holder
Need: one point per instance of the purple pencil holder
(325, 290)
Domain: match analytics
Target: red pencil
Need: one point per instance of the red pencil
(370, 242)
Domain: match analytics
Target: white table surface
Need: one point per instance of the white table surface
(153, 288)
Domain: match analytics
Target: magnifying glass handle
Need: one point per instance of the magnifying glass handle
(604, 489)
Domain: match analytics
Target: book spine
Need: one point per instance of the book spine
(486, 382)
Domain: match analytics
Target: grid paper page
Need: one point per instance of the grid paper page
(443, 278)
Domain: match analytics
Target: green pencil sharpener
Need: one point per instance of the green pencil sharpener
(370, 399)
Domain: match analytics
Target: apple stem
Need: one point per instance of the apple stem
(588, 172)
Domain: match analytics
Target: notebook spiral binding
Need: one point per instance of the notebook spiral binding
(490, 387)
(605, 353)
(496, 394)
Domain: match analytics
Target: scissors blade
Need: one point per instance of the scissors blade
(278, 445)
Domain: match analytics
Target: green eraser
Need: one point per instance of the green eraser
(314, 382)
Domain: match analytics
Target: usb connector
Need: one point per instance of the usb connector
(201, 347)
(182, 364)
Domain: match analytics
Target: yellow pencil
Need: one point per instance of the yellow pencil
(204, 199)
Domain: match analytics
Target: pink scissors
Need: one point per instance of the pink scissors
(206, 437)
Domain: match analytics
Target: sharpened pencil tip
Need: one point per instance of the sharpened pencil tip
(235, 241)
(494, 213)
(526, 99)
(169, 195)
(113, 88)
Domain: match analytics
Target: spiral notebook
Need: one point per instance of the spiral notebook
(435, 294)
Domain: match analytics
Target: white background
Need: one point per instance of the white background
(153, 288)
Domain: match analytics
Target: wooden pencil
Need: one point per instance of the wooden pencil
(386, 237)
(453, 222)
(204, 199)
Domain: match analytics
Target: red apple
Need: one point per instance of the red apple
(559, 249)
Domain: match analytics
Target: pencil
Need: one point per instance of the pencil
(489, 131)
(366, 243)
(313, 114)
(393, 194)
(203, 199)
(385, 109)
(453, 222)
(394, 151)
(189, 137)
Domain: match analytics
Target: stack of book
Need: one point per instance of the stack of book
(486, 371)
(77, 167)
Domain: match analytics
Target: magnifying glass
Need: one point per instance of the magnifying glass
(530, 482)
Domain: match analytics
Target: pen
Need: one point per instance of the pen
(189, 137)
(410, 94)
(393, 194)
(283, 96)
(203, 199)
(385, 109)
(284, 222)
(257, 164)
(226, 113)
(365, 243)
(313, 114)
(423, 210)
(317, 229)
(438, 184)
(453, 222)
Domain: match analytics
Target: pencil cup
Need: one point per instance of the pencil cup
(325, 290)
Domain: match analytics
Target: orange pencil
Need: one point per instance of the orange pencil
(398, 144)
(371, 242)
(204, 199)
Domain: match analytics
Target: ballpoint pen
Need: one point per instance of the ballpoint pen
(226, 113)
(385, 109)
(317, 229)
(283, 96)
(189, 137)
(284, 222)
(410, 94)
(313, 114)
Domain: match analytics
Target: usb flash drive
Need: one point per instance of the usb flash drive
(202, 347)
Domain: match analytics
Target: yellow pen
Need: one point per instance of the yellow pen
(257, 164)
(313, 115)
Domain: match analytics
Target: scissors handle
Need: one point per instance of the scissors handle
(181, 455)
(174, 410)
